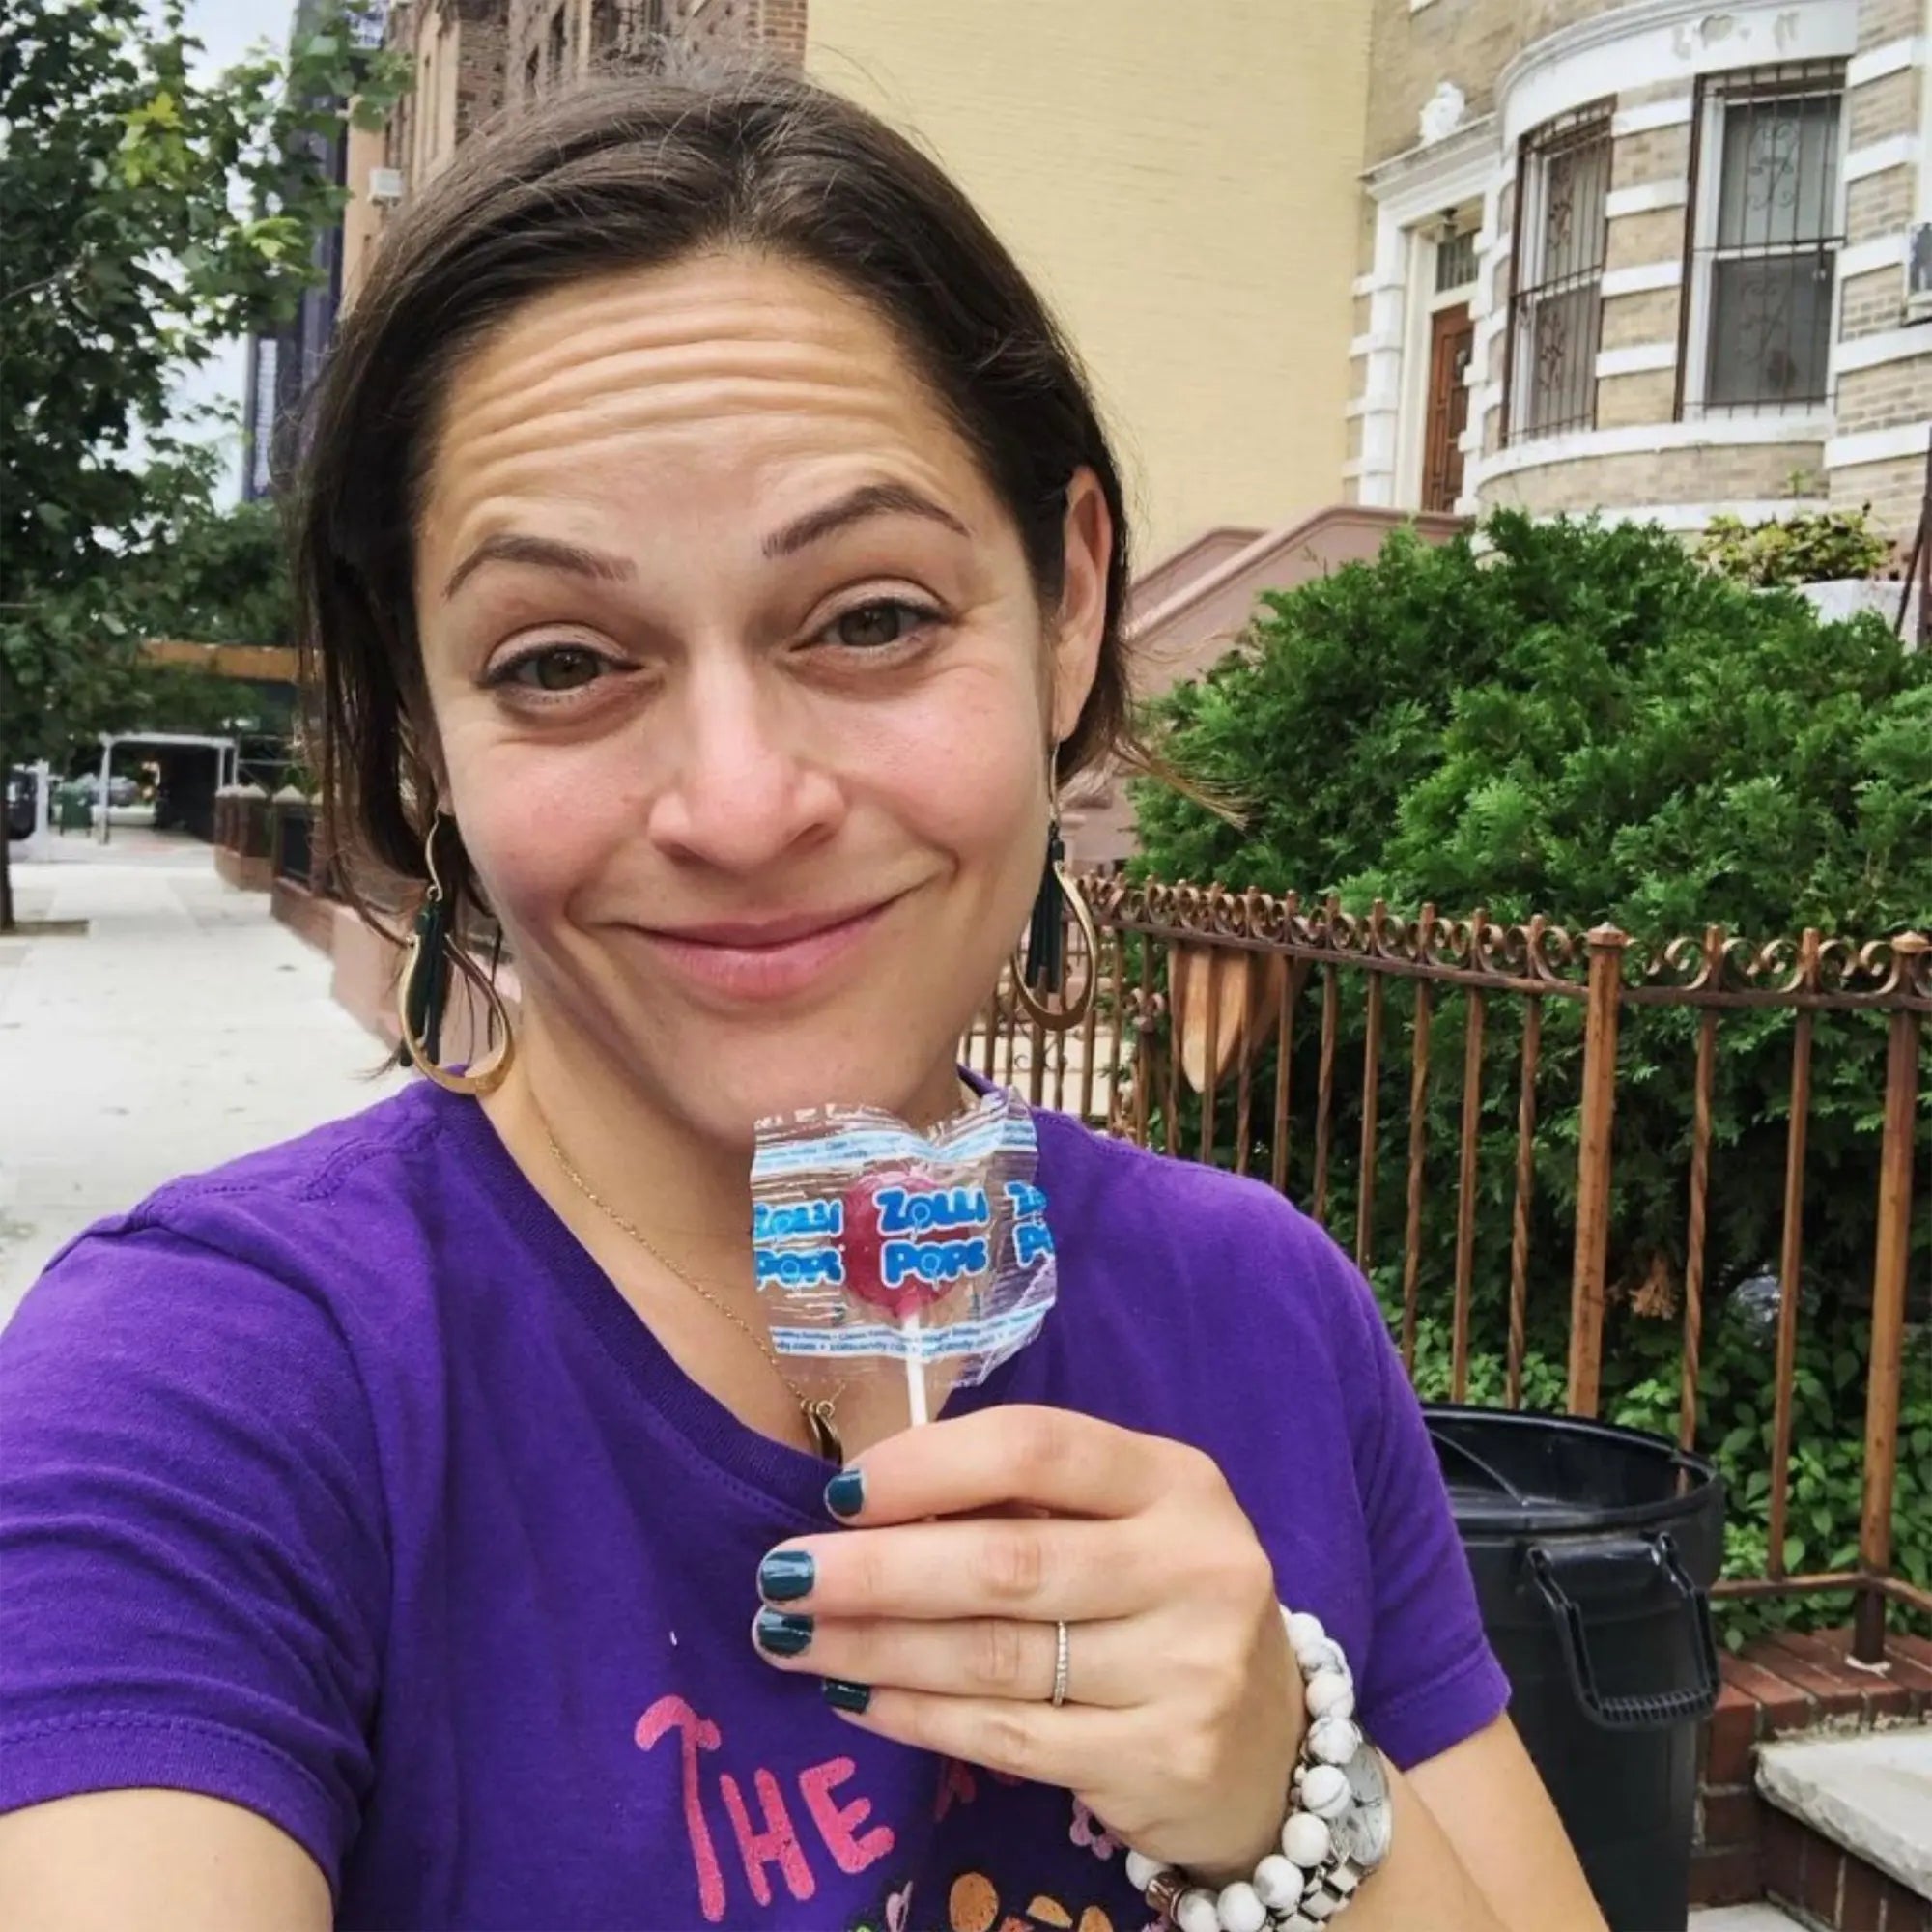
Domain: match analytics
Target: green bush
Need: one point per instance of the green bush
(1588, 724)
(1816, 549)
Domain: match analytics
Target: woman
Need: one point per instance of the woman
(715, 562)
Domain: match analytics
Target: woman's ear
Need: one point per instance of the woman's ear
(1088, 548)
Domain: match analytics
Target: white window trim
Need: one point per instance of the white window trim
(1646, 197)
(1643, 277)
(1877, 157)
(1706, 190)
(1872, 351)
(1888, 58)
(1876, 445)
(1637, 358)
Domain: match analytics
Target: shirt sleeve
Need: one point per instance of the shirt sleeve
(193, 1564)
(1431, 1679)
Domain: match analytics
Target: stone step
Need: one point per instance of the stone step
(1870, 1794)
(1743, 1919)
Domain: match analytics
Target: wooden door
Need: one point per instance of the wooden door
(1451, 340)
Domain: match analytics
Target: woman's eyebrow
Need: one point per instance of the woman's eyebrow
(547, 553)
(869, 499)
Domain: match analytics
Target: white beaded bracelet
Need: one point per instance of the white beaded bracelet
(1337, 1829)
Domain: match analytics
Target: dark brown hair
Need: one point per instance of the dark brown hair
(637, 171)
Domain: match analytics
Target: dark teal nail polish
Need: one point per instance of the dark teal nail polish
(783, 1634)
(844, 1696)
(786, 1575)
(845, 1493)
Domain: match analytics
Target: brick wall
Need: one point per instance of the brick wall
(1872, 302)
(1748, 472)
(482, 52)
(1878, 205)
(1883, 108)
(1648, 317)
(1744, 1847)
(775, 27)
(1655, 236)
(1546, 17)
(1468, 42)
(1886, 395)
(1895, 490)
(1646, 396)
(1657, 154)
(1882, 20)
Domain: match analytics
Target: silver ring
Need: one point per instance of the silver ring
(1060, 1662)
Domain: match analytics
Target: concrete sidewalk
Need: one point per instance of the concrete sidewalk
(185, 1028)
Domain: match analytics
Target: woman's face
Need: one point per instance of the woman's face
(741, 691)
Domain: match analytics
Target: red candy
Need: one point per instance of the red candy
(864, 1247)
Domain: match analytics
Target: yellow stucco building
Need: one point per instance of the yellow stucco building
(1182, 182)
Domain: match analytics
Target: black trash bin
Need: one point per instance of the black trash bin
(1594, 1549)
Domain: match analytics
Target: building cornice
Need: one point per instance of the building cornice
(1471, 146)
(1618, 25)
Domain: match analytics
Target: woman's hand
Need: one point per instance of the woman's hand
(1183, 1708)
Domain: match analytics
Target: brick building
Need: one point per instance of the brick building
(1643, 256)
(1648, 256)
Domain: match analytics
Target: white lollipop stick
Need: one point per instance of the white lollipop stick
(915, 1363)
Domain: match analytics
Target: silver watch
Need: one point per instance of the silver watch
(1362, 1835)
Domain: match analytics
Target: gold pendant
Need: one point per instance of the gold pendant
(824, 1429)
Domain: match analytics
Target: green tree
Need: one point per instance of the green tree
(145, 216)
(216, 576)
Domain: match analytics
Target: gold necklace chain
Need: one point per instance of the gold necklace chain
(819, 1413)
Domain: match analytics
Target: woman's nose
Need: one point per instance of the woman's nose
(743, 789)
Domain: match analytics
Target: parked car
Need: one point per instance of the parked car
(19, 802)
(121, 788)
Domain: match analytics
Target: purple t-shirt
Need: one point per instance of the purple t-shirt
(341, 1483)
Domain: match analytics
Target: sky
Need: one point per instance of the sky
(229, 29)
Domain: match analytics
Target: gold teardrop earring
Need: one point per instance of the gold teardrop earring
(423, 992)
(1039, 973)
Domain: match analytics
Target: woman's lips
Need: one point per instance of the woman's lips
(769, 960)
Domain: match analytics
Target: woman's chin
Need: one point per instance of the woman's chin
(730, 1100)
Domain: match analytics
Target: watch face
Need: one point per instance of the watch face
(1363, 1832)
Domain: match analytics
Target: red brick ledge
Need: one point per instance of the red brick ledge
(1746, 1849)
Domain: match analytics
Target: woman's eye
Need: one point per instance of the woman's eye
(555, 668)
(870, 627)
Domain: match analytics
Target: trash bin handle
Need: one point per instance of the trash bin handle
(1644, 1710)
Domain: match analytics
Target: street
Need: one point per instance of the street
(184, 1028)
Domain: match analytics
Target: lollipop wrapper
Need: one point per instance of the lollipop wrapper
(880, 1249)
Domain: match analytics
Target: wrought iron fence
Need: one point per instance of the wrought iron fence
(1268, 1037)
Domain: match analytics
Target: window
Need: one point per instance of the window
(1550, 380)
(1455, 261)
(1761, 265)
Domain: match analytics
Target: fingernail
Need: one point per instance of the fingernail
(845, 1493)
(844, 1696)
(783, 1634)
(786, 1575)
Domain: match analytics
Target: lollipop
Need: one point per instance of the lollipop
(893, 1261)
(872, 1239)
